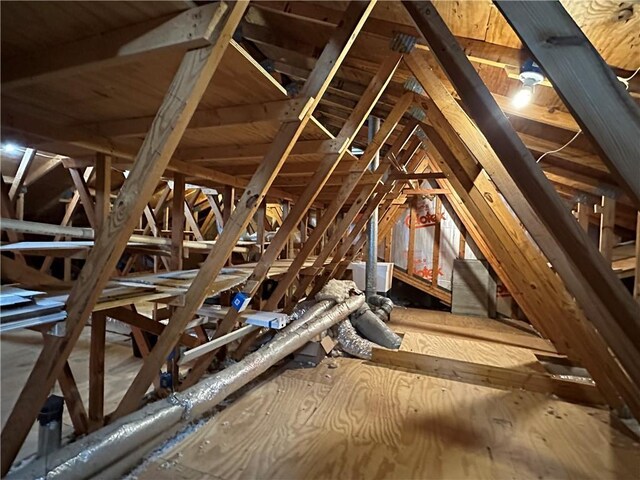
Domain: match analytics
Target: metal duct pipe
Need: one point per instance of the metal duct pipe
(309, 315)
(352, 343)
(148, 426)
(371, 327)
(384, 306)
(371, 266)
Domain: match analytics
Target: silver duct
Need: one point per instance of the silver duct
(371, 266)
(113, 445)
(352, 343)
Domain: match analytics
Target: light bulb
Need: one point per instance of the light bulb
(10, 148)
(523, 96)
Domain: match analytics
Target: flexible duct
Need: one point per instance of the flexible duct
(150, 425)
(369, 325)
(352, 343)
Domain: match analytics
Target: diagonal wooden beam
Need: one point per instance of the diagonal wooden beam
(21, 174)
(190, 82)
(343, 226)
(354, 241)
(608, 305)
(85, 196)
(357, 171)
(326, 67)
(520, 264)
(314, 185)
(576, 70)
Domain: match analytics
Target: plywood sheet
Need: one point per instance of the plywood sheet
(369, 421)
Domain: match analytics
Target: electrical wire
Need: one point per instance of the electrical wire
(558, 149)
(625, 81)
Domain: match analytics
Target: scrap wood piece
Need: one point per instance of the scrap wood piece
(497, 377)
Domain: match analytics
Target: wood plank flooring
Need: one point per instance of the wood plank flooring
(362, 420)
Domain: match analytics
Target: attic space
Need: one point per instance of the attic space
(253, 239)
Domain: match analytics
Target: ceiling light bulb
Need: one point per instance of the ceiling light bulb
(10, 148)
(523, 97)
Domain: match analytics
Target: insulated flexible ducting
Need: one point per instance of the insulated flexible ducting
(352, 343)
(114, 444)
(369, 325)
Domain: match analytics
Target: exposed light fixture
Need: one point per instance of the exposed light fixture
(530, 75)
(10, 148)
(357, 151)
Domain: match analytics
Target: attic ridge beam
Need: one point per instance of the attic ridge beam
(187, 30)
(575, 258)
(181, 100)
(611, 119)
(324, 71)
(300, 208)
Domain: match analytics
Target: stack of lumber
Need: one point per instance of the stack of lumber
(21, 308)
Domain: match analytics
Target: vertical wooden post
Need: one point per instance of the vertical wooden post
(260, 220)
(462, 244)
(20, 206)
(103, 188)
(583, 215)
(607, 224)
(437, 230)
(412, 236)
(636, 283)
(96, 370)
(177, 222)
(228, 203)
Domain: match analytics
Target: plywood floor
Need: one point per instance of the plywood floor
(361, 420)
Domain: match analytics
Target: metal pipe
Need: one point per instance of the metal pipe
(371, 327)
(371, 266)
(114, 443)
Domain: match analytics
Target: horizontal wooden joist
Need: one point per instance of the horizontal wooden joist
(278, 111)
(425, 191)
(493, 376)
(190, 29)
(415, 175)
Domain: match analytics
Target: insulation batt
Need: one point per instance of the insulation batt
(337, 290)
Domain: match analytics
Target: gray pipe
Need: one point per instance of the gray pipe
(371, 266)
(114, 443)
(384, 306)
(369, 325)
